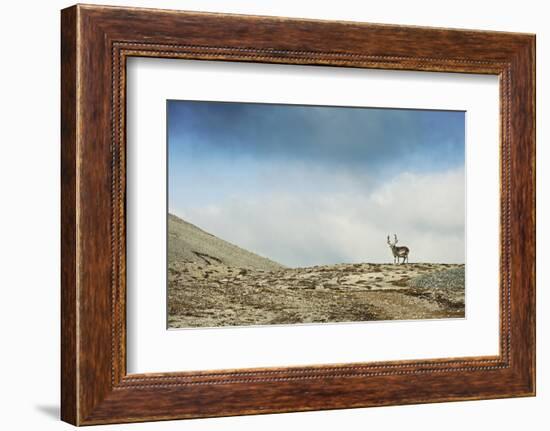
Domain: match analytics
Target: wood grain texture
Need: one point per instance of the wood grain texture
(96, 41)
(69, 366)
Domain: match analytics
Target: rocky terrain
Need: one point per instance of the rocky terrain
(214, 283)
(189, 244)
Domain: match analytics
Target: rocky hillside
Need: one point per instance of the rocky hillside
(213, 295)
(188, 243)
(213, 283)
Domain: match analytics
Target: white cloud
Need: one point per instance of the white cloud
(314, 222)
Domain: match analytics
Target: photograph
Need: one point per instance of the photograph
(283, 214)
(306, 214)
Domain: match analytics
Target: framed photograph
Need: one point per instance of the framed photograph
(264, 214)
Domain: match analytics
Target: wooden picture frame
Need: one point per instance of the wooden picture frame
(95, 43)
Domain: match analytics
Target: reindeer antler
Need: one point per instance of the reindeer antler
(395, 236)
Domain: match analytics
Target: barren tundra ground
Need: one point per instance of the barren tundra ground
(213, 283)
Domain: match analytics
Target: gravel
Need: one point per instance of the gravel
(452, 278)
(446, 287)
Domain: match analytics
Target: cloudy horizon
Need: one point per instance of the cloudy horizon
(312, 185)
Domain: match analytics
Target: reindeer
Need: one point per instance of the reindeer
(398, 252)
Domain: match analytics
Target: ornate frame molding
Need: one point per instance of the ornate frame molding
(96, 41)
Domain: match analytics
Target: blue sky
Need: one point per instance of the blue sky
(309, 185)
